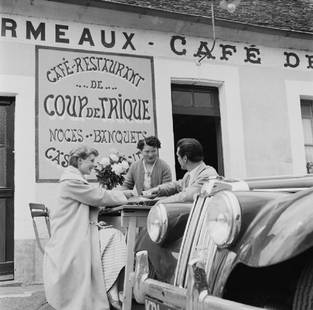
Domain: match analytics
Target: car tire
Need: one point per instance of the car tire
(303, 298)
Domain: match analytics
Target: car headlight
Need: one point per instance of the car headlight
(224, 218)
(157, 223)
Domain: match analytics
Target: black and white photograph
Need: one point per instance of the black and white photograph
(156, 154)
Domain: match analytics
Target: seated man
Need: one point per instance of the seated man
(190, 157)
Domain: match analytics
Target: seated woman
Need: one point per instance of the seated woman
(82, 261)
(149, 171)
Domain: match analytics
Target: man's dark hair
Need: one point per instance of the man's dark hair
(151, 141)
(190, 147)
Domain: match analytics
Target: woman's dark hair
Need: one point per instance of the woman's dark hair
(81, 152)
(151, 141)
(191, 148)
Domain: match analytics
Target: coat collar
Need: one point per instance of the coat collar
(72, 173)
(196, 171)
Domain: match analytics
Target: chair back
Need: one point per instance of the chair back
(39, 210)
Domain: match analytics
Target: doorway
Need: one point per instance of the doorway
(196, 115)
(6, 188)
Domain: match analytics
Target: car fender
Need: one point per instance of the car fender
(177, 215)
(280, 231)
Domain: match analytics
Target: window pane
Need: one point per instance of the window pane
(2, 229)
(3, 125)
(3, 166)
(309, 153)
(3, 142)
(307, 131)
(306, 110)
(204, 100)
(181, 98)
(309, 158)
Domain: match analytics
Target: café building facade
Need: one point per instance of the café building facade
(108, 73)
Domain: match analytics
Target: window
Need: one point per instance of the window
(195, 100)
(307, 122)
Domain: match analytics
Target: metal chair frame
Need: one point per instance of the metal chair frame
(39, 210)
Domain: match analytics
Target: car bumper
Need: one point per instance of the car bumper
(194, 297)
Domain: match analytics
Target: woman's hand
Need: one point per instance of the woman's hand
(128, 193)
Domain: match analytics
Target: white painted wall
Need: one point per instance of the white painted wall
(296, 90)
(259, 104)
(233, 79)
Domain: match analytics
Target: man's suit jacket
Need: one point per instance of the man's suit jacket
(184, 190)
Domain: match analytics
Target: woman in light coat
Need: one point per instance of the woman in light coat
(74, 277)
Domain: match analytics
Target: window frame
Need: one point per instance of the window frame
(309, 164)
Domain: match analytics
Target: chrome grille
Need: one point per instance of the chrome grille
(196, 242)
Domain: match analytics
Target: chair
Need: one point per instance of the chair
(39, 210)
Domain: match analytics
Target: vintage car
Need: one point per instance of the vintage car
(240, 245)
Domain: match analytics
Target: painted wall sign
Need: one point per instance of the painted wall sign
(97, 37)
(100, 99)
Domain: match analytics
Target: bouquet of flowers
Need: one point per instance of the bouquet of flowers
(111, 170)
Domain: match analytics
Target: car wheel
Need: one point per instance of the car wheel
(303, 298)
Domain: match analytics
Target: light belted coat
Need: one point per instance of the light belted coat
(73, 277)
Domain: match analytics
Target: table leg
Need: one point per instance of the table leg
(129, 269)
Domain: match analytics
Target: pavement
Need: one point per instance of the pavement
(15, 296)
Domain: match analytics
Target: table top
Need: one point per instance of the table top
(133, 204)
(140, 200)
(128, 208)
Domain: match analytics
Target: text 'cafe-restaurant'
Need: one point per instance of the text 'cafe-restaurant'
(108, 74)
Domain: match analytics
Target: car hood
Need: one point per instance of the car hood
(281, 230)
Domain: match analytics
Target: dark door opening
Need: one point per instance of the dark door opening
(196, 115)
(202, 128)
(6, 188)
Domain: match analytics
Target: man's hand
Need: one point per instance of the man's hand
(128, 193)
(151, 193)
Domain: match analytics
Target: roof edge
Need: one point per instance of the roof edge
(113, 5)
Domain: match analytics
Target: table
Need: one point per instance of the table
(132, 217)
